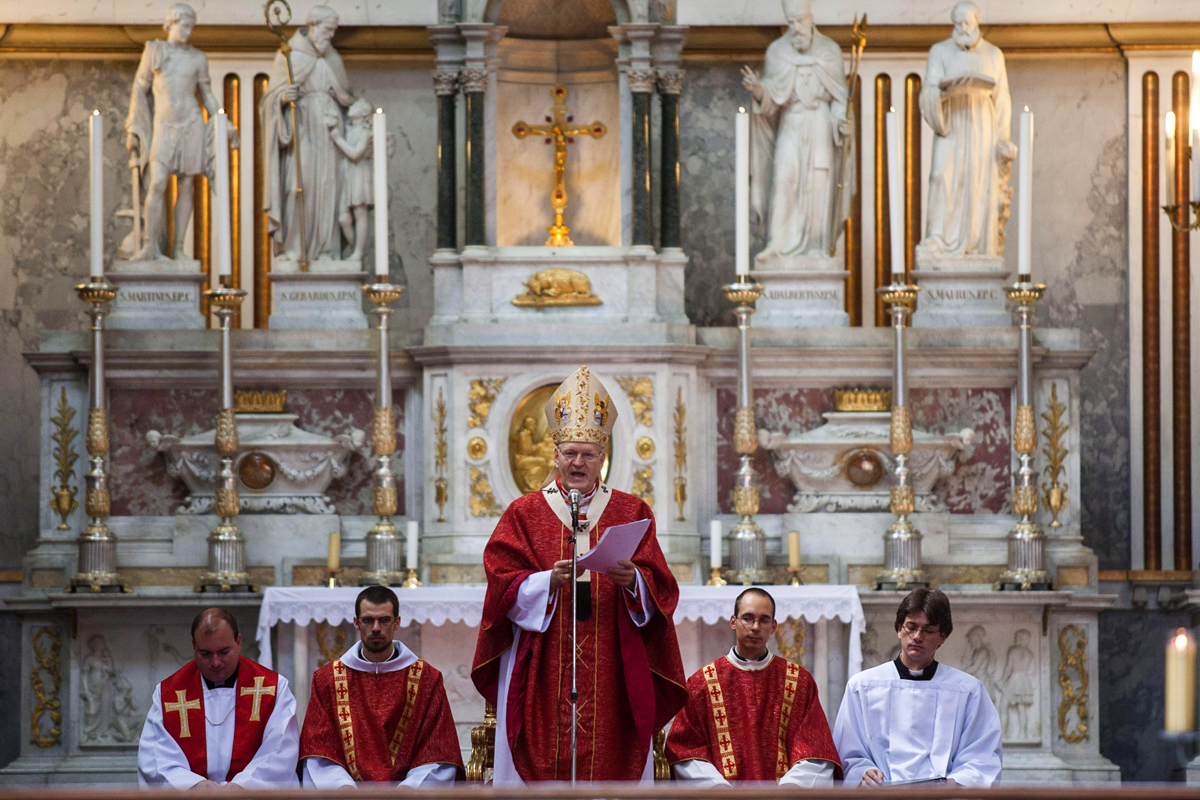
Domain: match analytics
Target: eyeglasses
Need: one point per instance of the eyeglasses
(369, 622)
(755, 622)
(928, 630)
(573, 455)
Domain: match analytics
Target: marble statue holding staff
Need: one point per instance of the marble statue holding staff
(321, 91)
(965, 99)
(799, 126)
(165, 132)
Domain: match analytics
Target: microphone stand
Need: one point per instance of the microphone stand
(574, 498)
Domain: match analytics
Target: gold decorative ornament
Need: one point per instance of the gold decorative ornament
(97, 432)
(439, 455)
(383, 501)
(581, 410)
(1072, 697)
(226, 438)
(899, 294)
(259, 401)
(640, 391)
(900, 500)
(64, 502)
(226, 503)
(1056, 453)
(862, 399)
(560, 135)
(483, 500)
(643, 487)
(257, 471)
(745, 436)
(1025, 431)
(530, 445)
(662, 767)
(47, 658)
(477, 448)
(480, 397)
(1025, 500)
(645, 447)
(789, 636)
(680, 454)
(742, 292)
(745, 500)
(330, 649)
(382, 293)
(96, 503)
(383, 431)
(900, 436)
(483, 747)
(557, 286)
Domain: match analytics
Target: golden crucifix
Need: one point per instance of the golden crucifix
(558, 133)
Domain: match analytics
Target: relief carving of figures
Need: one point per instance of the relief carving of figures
(965, 99)
(981, 662)
(165, 132)
(799, 126)
(109, 713)
(1018, 719)
(532, 458)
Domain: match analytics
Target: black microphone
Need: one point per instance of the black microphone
(573, 496)
(583, 589)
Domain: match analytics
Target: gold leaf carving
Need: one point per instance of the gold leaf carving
(483, 499)
(1072, 697)
(1025, 500)
(97, 432)
(383, 501)
(47, 658)
(259, 401)
(680, 453)
(643, 485)
(557, 287)
(1056, 453)
(862, 399)
(63, 500)
(480, 398)
(1025, 430)
(483, 746)
(96, 503)
(226, 438)
(900, 433)
(477, 448)
(330, 649)
(900, 500)
(640, 391)
(745, 439)
(383, 431)
(226, 503)
(439, 455)
(745, 500)
(645, 447)
(791, 646)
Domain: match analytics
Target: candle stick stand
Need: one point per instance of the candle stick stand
(715, 579)
(383, 541)
(795, 573)
(1026, 569)
(97, 571)
(411, 581)
(747, 542)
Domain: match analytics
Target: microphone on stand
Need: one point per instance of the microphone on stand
(573, 498)
(583, 590)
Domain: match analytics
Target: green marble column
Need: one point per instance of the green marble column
(670, 82)
(641, 162)
(446, 88)
(474, 84)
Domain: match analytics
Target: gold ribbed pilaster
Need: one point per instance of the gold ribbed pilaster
(262, 236)
(912, 173)
(1151, 354)
(854, 263)
(1181, 341)
(233, 107)
(883, 228)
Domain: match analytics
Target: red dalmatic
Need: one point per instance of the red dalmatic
(378, 726)
(182, 697)
(752, 725)
(630, 679)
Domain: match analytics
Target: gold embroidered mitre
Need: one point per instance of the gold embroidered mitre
(581, 410)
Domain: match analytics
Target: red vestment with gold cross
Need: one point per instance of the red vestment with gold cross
(630, 679)
(378, 726)
(182, 698)
(752, 725)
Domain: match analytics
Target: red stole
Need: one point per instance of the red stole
(633, 676)
(182, 698)
(753, 725)
(378, 726)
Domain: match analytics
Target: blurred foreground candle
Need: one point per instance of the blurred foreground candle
(224, 215)
(1025, 201)
(1181, 683)
(334, 559)
(794, 549)
(96, 140)
(410, 545)
(380, 165)
(741, 238)
(1170, 158)
(714, 543)
(895, 209)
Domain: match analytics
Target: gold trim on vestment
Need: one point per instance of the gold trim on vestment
(410, 703)
(716, 701)
(341, 699)
(791, 677)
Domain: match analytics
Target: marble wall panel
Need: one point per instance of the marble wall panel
(979, 485)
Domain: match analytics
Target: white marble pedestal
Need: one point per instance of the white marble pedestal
(317, 299)
(961, 291)
(800, 291)
(159, 294)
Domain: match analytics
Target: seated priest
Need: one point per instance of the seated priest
(751, 715)
(914, 719)
(379, 714)
(221, 719)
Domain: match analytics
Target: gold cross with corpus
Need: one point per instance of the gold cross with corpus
(183, 706)
(258, 690)
(560, 135)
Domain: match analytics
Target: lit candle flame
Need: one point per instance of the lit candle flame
(220, 111)
(1181, 640)
(1195, 61)
(741, 109)
(95, 112)
(1171, 122)
(1026, 108)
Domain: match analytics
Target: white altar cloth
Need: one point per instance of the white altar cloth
(439, 605)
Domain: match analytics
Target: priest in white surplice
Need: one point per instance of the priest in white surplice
(914, 719)
(221, 719)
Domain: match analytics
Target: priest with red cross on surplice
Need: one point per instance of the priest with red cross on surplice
(630, 676)
(379, 714)
(221, 719)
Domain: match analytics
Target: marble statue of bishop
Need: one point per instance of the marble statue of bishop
(964, 98)
(799, 128)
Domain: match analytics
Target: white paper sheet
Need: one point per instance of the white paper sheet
(618, 543)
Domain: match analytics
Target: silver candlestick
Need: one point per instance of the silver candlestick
(902, 542)
(226, 544)
(97, 570)
(383, 541)
(747, 543)
(1026, 568)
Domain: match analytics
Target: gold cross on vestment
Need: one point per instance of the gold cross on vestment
(560, 135)
(258, 690)
(183, 706)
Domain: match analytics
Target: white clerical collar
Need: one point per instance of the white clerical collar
(403, 658)
(585, 501)
(746, 664)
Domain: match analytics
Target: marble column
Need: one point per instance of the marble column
(641, 86)
(670, 83)
(478, 74)
(448, 47)
(474, 87)
(636, 62)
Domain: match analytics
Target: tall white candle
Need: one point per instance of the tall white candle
(96, 140)
(410, 545)
(1195, 164)
(1169, 189)
(221, 170)
(742, 192)
(714, 542)
(1024, 206)
(896, 205)
(381, 225)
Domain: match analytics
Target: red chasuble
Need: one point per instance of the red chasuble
(752, 725)
(630, 679)
(182, 698)
(378, 726)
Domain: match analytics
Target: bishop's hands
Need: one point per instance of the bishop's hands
(872, 777)
(751, 80)
(560, 575)
(622, 575)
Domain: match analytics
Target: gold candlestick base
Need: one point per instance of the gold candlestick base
(334, 578)
(795, 573)
(411, 581)
(715, 578)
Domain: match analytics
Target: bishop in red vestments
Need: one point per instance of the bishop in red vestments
(751, 715)
(630, 675)
(379, 714)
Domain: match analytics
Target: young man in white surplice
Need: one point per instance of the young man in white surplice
(914, 719)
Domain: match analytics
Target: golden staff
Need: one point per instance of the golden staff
(859, 35)
(282, 17)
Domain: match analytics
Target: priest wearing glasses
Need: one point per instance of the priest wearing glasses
(630, 675)
(914, 720)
